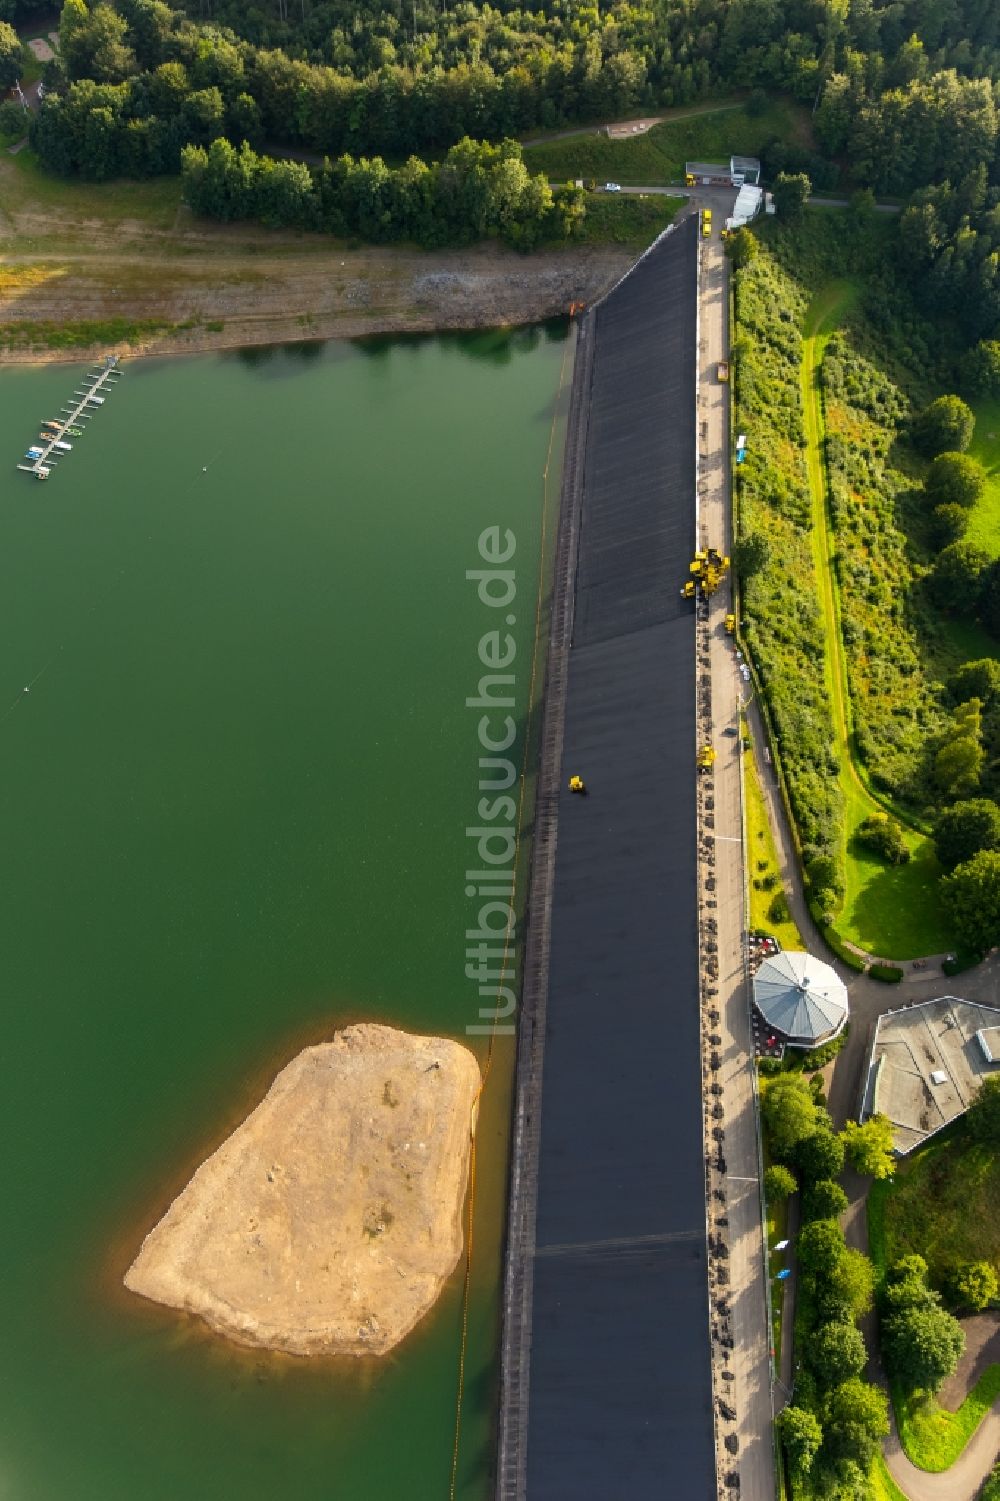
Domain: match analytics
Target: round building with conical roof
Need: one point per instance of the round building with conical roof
(801, 999)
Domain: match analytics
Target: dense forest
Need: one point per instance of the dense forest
(905, 92)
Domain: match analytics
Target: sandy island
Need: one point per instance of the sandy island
(329, 1221)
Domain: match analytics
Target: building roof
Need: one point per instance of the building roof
(744, 164)
(708, 169)
(927, 1061)
(800, 996)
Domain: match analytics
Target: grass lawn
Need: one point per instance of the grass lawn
(777, 1220)
(659, 155)
(933, 1437)
(625, 219)
(24, 185)
(984, 524)
(762, 862)
(892, 911)
(943, 1203)
(884, 1488)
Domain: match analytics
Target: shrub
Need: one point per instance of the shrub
(834, 941)
(956, 964)
(884, 837)
(972, 1284)
(13, 119)
(779, 1182)
(889, 974)
(777, 911)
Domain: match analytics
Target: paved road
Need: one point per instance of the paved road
(750, 1392)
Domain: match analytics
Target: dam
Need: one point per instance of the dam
(606, 1370)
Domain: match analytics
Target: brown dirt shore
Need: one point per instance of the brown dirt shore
(329, 1221)
(166, 283)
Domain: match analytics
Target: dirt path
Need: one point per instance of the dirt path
(645, 122)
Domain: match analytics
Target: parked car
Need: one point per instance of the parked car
(612, 187)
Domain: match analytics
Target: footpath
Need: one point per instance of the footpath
(738, 1283)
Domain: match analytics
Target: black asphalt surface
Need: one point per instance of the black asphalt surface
(620, 1405)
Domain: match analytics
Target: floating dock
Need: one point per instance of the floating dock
(52, 444)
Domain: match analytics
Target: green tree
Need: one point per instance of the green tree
(945, 426)
(991, 1490)
(836, 1352)
(955, 579)
(973, 1284)
(779, 1183)
(921, 1346)
(750, 553)
(823, 1200)
(964, 829)
(801, 1436)
(954, 479)
(983, 1118)
(11, 57)
(849, 1289)
(948, 524)
(959, 762)
(93, 43)
(906, 1286)
(869, 1147)
(820, 1248)
(789, 1113)
(819, 1155)
(857, 1417)
(983, 368)
(971, 898)
(741, 248)
(979, 679)
(791, 189)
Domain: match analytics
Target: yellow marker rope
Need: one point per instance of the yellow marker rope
(506, 947)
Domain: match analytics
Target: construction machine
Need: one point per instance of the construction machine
(708, 568)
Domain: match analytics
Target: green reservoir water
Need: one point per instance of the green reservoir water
(232, 817)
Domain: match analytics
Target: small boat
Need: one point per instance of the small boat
(34, 452)
(75, 432)
(51, 422)
(63, 447)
